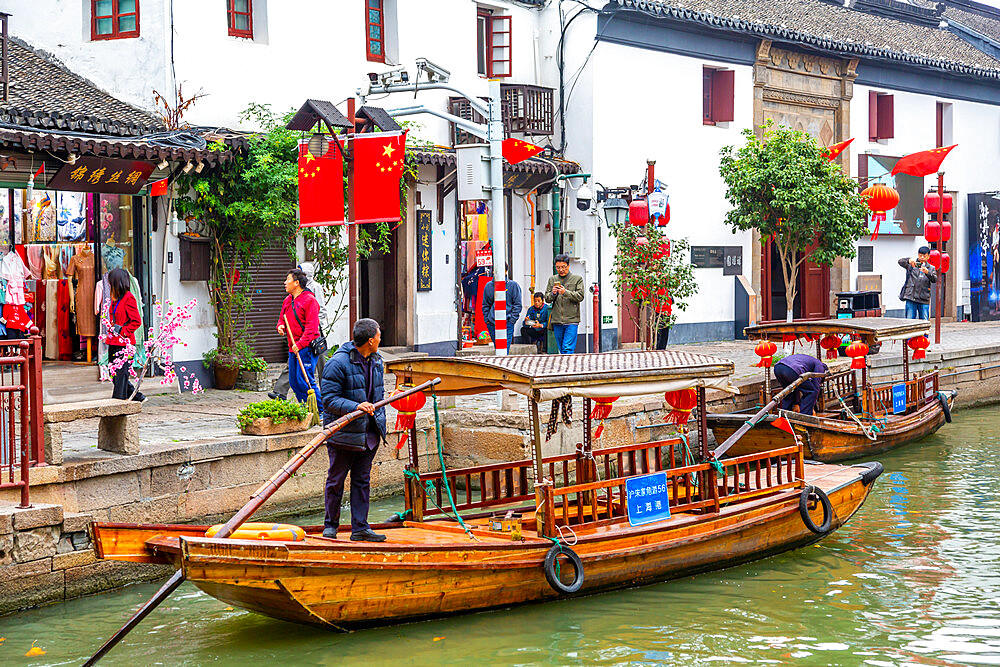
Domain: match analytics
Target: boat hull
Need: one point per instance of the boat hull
(831, 440)
(344, 585)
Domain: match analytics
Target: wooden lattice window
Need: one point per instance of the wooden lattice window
(375, 30)
(114, 19)
(240, 16)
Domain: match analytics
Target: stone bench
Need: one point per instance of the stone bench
(118, 430)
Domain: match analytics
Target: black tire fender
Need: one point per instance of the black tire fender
(550, 570)
(824, 500)
(943, 400)
(872, 471)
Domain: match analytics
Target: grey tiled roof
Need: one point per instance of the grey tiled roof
(829, 27)
(984, 25)
(44, 94)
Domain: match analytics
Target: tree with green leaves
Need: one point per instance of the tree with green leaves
(653, 273)
(782, 185)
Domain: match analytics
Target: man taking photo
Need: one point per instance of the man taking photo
(916, 292)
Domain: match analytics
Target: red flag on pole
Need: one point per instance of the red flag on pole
(922, 163)
(835, 150)
(158, 188)
(783, 424)
(515, 150)
(378, 165)
(321, 187)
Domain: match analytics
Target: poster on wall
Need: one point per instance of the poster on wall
(41, 217)
(17, 210)
(907, 218)
(5, 218)
(984, 256)
(71, 219)
(110, 218)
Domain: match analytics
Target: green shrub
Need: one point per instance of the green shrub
(253, 364)
(278, 410)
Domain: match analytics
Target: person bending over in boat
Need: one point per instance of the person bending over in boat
(353, 379)
(788, 370)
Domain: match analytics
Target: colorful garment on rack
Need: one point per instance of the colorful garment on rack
(62, 321)
(50, 314)
(81, 267)
(36, 260)
(50, 268)
(13, 270)
(15, 317)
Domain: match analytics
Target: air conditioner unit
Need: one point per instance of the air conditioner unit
(472, 172)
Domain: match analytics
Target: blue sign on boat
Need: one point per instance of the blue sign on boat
(648, 498)
(898, 398)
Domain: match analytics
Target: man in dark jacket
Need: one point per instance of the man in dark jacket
(916, 292)
(788, 370)
(513, 308)
(353, 379)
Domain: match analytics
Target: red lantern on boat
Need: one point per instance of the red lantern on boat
(919, 346)
(932, 231)
(682, 402)
(857, 351)
(638, 213)
(830, 343)
(880, 198)
(407, 412)
(601, 411)
(935, 258)
(765, 350)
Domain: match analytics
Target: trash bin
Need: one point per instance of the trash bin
(865, 303)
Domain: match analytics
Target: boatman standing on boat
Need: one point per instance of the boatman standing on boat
(353, 379)
(790, 369)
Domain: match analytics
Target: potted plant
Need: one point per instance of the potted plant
(225, 367)
(253, 373)
(273, 416)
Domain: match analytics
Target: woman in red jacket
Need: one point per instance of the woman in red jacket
(124, 321)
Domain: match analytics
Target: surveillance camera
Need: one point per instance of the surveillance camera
(584, 197)
(373, 77)
(394, 75)
(435, 73)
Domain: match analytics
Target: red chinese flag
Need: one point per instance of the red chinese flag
(835, 150)
(783, 424)
(515, 150)
(159, 188)
(922, 163)
(321, 187)
(378, 165)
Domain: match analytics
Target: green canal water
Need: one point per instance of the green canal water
(914, 578)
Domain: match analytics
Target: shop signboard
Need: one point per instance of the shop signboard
(984, 253)
(424, 257)
(102, 174)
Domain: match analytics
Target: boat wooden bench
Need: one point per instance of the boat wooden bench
(118, 430)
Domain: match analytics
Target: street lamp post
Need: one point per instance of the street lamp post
(615, 213)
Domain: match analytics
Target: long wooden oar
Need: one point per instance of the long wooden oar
(258, 498)
(750, 423)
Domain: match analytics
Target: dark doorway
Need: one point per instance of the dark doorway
(812, 298)
(382, 283)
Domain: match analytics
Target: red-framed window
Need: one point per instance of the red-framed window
(240, 16)
(114, 19)
(493, 44)
(880, 116)
(375, 30)
(717, 95)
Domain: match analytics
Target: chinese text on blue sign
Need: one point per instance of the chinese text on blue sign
(648, 498)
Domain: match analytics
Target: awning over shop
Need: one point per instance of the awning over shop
(875, 328)
(545, 377)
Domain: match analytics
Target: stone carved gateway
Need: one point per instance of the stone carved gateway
(812, 93)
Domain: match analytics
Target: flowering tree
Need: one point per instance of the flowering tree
(784, 186)
(159, 347)
(653, 272)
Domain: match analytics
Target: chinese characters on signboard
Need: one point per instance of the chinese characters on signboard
(102, 174)
(648, 498)
(423, 251)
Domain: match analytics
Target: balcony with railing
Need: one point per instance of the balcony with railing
(526, 109)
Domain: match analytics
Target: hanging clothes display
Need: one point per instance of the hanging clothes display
(13, 270)
(71, 222)
(81, 267)
(49, 316)
(65, 333)
(102, 306)
(36, 260)
(50, 265)
(41, 218)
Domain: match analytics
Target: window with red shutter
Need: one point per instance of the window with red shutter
(718, 97)
(880, 116)
(240, 16)
(500, 47)
(114, 19)
(375, 30)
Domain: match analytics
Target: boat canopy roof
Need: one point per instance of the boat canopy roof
(871, 328)
(548, 376)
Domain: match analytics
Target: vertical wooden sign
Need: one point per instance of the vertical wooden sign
(424, 261)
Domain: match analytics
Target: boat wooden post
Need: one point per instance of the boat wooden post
(584, 457)
(542, 514)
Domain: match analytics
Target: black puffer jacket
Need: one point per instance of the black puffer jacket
(917, 287)
(343, 390)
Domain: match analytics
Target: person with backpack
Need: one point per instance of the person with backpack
(301, 311)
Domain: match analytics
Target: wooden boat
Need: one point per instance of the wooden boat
(523, 517)
(847, 422)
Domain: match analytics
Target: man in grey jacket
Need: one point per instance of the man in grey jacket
(916, 292)
(281, 385)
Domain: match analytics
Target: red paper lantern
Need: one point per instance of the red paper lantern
(880, 198)
(664, 250)
(857, 351)
(601, 411)
(765, 350)
(663, 302)
(932, 231)
(935, 258)
(931, 202)
(683, 402)
(918, 345)
(945, 231)
(638, 213)
(406, 412)
(945, 262)
(830, 344)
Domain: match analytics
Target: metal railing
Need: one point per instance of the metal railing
(22, 444)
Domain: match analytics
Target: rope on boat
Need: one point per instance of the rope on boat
(444, 472)
(871, 432)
